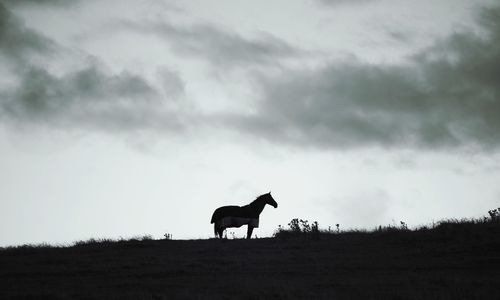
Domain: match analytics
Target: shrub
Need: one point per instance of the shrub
(298, 227)
(294, 225)
(494, 213)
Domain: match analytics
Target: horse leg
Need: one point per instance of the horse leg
(249, 231)
(218, 230)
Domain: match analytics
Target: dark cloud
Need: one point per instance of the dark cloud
(92, 96)
(41, 2)
(17, 42)
(446, 97)
(87, 97)
(219, 46)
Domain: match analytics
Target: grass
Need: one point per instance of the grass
(454, 259)
(89, 242)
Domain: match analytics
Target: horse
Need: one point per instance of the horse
(236, 216)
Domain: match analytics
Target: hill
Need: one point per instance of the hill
(455, 260)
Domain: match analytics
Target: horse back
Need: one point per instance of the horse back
(230, 211)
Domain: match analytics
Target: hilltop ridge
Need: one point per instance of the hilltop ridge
(454, 260)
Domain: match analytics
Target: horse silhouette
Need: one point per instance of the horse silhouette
(236, 216)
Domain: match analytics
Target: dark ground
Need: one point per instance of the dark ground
(455, 261)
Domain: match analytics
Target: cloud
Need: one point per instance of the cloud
(41, 2)
(92, 96)
(88, 97)
(218, 46)
(17, 42)
(171, 82)
(343, 2)
(445, 97)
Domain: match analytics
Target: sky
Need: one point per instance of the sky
(129, 118)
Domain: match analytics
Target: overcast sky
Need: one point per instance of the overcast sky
(124, 118)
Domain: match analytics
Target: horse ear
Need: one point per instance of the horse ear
(269, 193)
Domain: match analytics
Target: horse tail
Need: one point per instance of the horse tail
(215, 230)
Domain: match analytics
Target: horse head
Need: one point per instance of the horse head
(270, 200)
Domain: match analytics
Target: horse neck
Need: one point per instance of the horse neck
(258, 206)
